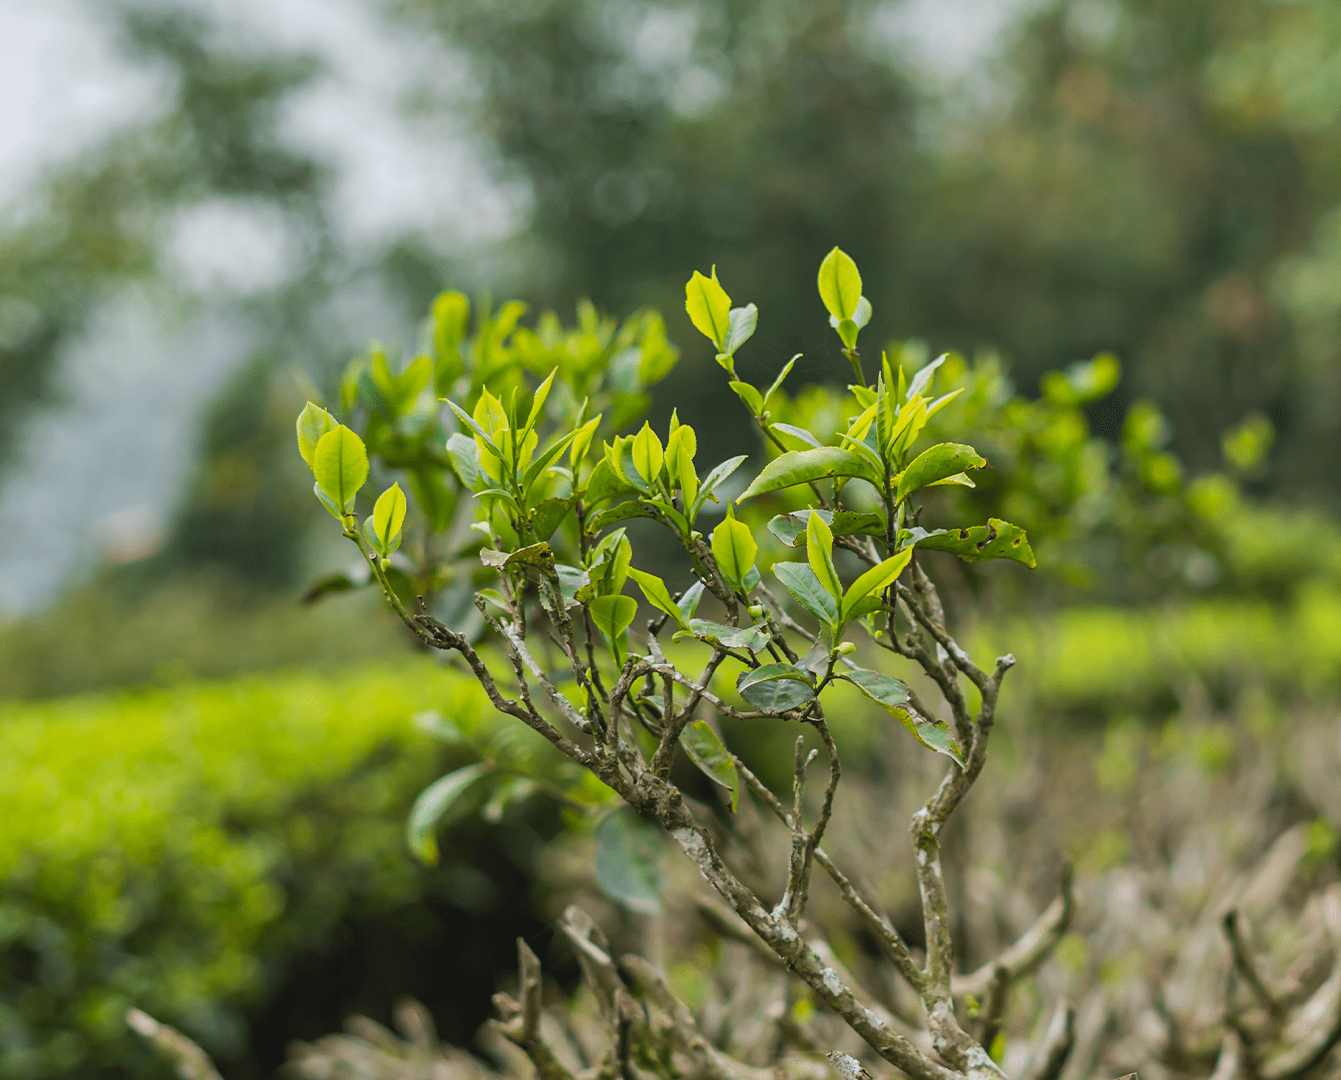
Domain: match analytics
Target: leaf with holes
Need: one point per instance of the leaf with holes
(977, 543)
(935, 464)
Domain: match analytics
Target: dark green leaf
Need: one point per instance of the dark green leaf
(433, 803)
(536, 556)
(615, 514)
(627, 864)
(706, 751)
(355, 576)
(807, 466)
(937, 463)
(548, 515)
(688, 602)
(776, 687)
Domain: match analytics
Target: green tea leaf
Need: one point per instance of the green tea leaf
(688, 603)
(790, 528)
(647, 454)
(807, 466)
(465, 457)
(713, 480)
(819, 553)
(657, 594)
(709, 308)
(776, 687)
(706, 751)
(802, 583)
(627, 864)
(922, 380)
(839, 284)
(613, 615)
(734, 549)
(432, 805)
(754, 638)
(340, 463)
(740, 328)
(937, 463)
(893, 696)
(875, 581)
(863, 313)
(388, 517)
(548, 515)
(752, 399)
(996, 540)
(313, 423)
(786, 370)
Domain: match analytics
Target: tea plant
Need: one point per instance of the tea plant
(550, 499)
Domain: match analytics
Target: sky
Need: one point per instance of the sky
(102, 471)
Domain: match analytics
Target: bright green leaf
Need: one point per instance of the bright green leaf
(819, 553)
(740, 328)
(807, 466)
(734, 549)
(613, 615)
(340, 463)
(839, 284)
(388, 518)
(647, 454)
(937, 463)
(875, 581)
(658, 595)
(709, 307)
(313, 423)
(996, 540)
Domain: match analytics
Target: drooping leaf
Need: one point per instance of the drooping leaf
(706, 751)
(340, 463)
(431, 806)
(657, 594)
(709, 307)
(740, 328)
(627, 861)
(734, 549)
(937, 463)
(313, 423)
(807, 466)
(977, 543)
(892, 695)
(839, 284)
(802, 583)
(776, 687)
(754, 638)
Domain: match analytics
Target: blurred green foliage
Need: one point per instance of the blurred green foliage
(176, 849)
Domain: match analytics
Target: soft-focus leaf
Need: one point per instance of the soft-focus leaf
(839, 284)
(807, 466)
(802, 583)
(340, 463)
(355, 576)
(605, 483)
(977, 543)
(613, 615)
(863, 313)
(892, 695)
(627, 865)
(433, 803)
(740, 328)
(937, 463)
(798, 433)
(313, 423)
(706, 751)
(465, 457)
(709, 307)
(922, 380)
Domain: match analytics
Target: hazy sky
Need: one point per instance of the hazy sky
(102, 471)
